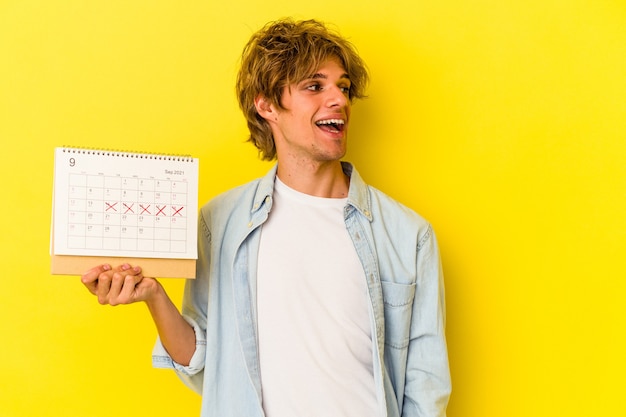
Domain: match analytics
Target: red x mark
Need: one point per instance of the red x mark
(128, 208)
(177, 211)
(144, 209)
(110, 206)
(160, 210)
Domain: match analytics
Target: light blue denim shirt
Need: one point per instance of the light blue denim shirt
(400, 257)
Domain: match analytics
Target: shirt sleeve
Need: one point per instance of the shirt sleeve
(191, 374)
(428, 385)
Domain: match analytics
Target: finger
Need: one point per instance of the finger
(123, 284)
(117, 281)
(128, 269)
(103, 286)
(90, 278)
(128, 293)
(123, 267)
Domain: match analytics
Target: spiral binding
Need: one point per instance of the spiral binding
(127, 154)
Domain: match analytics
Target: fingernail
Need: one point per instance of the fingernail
(106, 267)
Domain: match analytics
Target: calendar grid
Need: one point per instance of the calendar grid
(130, 214)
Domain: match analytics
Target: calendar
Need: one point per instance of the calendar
(124, 204)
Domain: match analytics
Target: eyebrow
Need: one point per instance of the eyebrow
(324, 76)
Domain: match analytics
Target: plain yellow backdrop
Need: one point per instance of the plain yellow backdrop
(502, 122)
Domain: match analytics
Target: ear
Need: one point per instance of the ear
(265, 108)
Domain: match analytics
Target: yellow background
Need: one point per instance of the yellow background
(502, 122)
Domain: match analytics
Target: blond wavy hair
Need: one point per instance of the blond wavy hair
(283, 53)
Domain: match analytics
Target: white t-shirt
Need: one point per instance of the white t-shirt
(315, 341)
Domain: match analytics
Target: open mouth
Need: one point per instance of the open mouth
(331, 125)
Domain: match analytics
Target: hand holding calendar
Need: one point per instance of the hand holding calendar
(123, 284)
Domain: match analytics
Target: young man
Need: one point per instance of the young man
(315, 293)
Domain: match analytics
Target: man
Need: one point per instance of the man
(315, 295)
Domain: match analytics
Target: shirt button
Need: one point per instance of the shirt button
(249, 224)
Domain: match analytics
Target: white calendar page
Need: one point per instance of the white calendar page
(124, 204)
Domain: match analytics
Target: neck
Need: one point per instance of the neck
(321, 180)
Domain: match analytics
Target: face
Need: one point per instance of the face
(313, 125)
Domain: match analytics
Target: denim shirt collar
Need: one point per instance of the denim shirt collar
(358, 196)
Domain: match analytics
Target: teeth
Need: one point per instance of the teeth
(331, 122)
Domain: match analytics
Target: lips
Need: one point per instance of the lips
(331, 125)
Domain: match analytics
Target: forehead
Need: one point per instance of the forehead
(330, 68)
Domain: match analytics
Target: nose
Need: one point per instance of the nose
(337, 97)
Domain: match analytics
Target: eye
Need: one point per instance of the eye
(346, 91)
(314, 87)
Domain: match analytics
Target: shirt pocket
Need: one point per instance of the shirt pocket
(398, 306)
